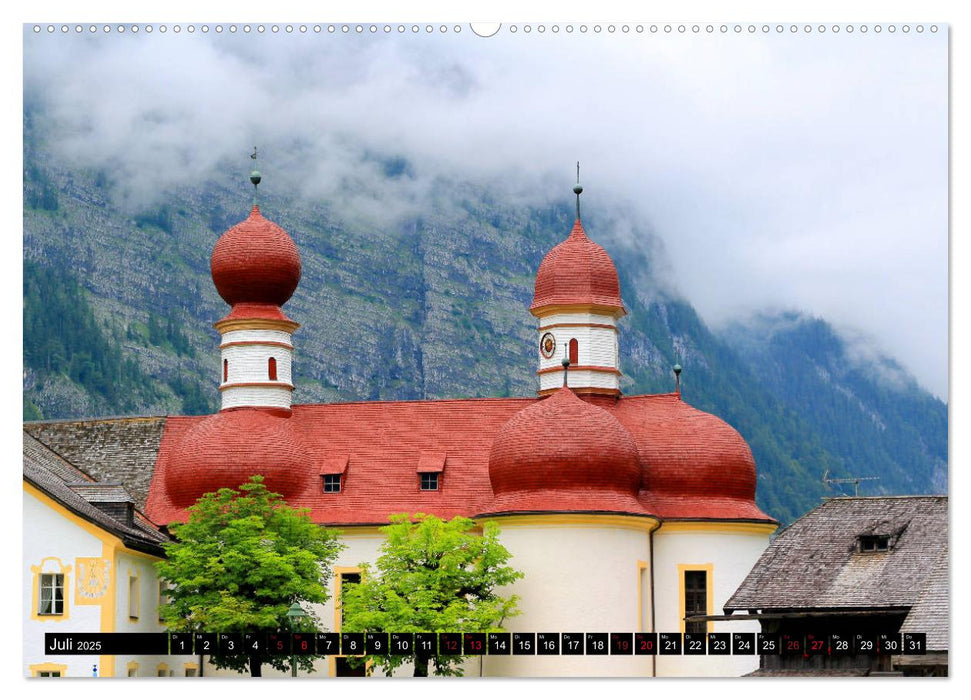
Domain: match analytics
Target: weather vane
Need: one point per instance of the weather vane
(255, 176)
(577, 189)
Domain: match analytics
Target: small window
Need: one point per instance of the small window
(133, 597)
(225, 370)
(574, 352)
(332, 483)
(133, 672)
(51, 594)
(49, 674)
(191, 671)
(271, 368)
(429, 481)
(695, 600)
(874, 543)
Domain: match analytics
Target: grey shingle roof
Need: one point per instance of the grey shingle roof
(120, 450)
(931, 612)
(808, 673)
(38, 453)
(46, 471)
(101, 492)
(815, 562)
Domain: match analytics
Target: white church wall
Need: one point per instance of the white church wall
(729, 556)
(581, 576)
(268, 396)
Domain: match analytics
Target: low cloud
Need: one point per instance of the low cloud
(808, 172)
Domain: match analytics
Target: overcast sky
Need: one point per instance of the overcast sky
(787, 171)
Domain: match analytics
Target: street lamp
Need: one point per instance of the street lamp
(293, 614)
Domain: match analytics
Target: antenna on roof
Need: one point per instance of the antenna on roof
(577, 189)
(565, 363)
(677, 380)
(855, 480)
(255, 176)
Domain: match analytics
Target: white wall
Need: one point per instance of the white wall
(732, 556)
(578, 579)
(596, 346)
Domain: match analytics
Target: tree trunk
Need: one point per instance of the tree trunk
(421, 666)
(255, 666)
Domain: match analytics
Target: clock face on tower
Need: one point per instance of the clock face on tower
(547, 345)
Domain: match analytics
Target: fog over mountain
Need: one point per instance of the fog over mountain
(796, 172)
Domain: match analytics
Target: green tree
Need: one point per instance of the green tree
(432, 576)
(238, 564)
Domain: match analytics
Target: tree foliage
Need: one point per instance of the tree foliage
(432, 576)
(238, 564)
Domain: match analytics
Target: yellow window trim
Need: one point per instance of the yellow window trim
(642, 566)
(132, 666)
(709, 588)
(62, 569)
(332, 660)
(338, 571)
(47, 667)
(190, 666)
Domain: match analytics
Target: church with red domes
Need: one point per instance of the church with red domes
(626, 513)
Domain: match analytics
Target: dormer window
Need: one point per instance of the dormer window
(874, 543)
(430, 468)
(332, 472)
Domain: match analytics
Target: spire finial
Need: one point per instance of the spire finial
(577, 189)
(565, 363)
(677, 379)
(255, 176)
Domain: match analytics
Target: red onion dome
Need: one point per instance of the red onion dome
(577, 271)
(563, 453)
(225, 449)
(692, 453)
(255, 262)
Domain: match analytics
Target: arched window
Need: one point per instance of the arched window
(574, 352)
(225, 370)
(271, 368)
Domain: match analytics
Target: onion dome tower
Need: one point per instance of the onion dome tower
(564, 454)
(256, 268)
(577, 302)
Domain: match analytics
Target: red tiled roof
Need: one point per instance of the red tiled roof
(248, 311)
(224, 449)
(255, 261)
(686, 452)
(577, 271)
(384, 441)
(563, 446)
